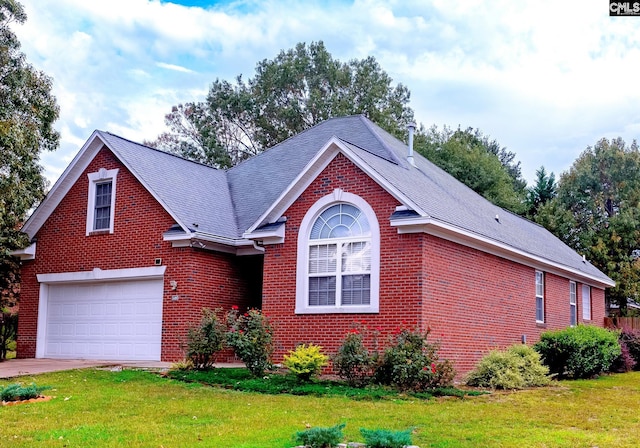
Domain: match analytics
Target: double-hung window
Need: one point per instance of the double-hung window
(338, 268)
(573, 307)
(586, 302)
(102, 212)
(539, 297)
(340, 258)
(101, 201)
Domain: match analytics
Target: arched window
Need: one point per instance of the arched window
(338, 257)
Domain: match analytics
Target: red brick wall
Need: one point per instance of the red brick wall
(471, 301)
(205, 279)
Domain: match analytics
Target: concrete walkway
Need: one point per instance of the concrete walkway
(20, 367)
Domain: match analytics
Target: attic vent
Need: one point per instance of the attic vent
(498, 218)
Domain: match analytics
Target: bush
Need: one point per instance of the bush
(578, 352)
(183, 366)
(625, 362)
(206, 340)
(17, 392)
(515, 368)
(410, 363)
(631, 338)
(305, 361)
(250, 335)
(353, 362)
(321, 437)
(383, 438)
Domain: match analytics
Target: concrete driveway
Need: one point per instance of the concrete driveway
(20, 367)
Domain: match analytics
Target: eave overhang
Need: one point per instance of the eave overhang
(28, 253)
(431, 226)
(198, 240)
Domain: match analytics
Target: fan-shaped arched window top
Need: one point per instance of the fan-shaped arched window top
(340, 221)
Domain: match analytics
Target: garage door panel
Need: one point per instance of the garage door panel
(114, 320)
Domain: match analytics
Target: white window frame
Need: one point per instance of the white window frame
(573, 304)
(302, 271)
(540, 295)
(101, 176)
(586, 302)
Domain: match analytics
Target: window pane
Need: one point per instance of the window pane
(323, 259)
(322, 291)
(573, 317)
(356, 289)
(356, 257)
(539, 309)
(586, 302)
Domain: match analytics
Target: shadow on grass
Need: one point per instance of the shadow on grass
(274, 384)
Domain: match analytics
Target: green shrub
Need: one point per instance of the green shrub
(206, 340)
(319, 437)
(250, 335)
(383, 438)
(578, 352)
(305, 361)
(353, 362)
(515, 368)
(17, 392)
(411, 363)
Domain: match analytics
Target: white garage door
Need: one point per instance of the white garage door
(108, 320)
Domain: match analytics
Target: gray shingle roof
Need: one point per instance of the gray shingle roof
(228, 203)
(196, 194)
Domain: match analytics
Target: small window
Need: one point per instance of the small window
(101, 201)
(102, 211)
(586, 302)
(573, 308)
(539, 297)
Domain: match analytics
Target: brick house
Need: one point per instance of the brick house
(341, 223)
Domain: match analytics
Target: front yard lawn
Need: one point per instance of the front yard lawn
(141, 409)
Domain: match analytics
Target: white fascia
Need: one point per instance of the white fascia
(28, 253)
(457, 235)
(98, 274)
(211, 242)
(310, 172)
(268, 236)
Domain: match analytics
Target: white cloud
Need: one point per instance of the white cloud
(544, 78)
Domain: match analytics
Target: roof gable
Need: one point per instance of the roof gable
(196, 196)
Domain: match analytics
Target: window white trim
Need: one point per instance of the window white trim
(302, 286)
(573, 304)
(102, 175)
(540, 297)
(586, 302)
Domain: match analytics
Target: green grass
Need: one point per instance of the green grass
(140, 409)
(241, 379)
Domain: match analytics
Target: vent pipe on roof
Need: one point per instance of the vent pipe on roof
(412, 128)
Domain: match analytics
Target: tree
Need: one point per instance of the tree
(480, 163)
(542, 192)
(27, 113)
(296, 90)
(597, 212)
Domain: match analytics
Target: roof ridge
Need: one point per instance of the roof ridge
(373, 127)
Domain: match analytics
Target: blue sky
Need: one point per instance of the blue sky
(544, 78)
